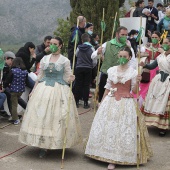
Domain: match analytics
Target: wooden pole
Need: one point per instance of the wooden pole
(138, 143)
(98, 70)
(69, 101)
(114, 26)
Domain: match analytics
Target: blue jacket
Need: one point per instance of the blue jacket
(163, 25)
(16, 80)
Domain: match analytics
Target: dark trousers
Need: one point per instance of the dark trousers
(103, 80)
(82, 83)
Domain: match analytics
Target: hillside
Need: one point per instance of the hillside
(30, 20)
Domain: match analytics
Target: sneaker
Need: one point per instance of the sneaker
(11, 120)
(4, 114)
(16, 122)
(77, 104)
(162, 133)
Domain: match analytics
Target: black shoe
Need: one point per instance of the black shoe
(77, 104)
(162, 133)
(86, 105)
(20, 117)
(43, 153)
(93, 85)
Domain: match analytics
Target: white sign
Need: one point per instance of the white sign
(134, 23)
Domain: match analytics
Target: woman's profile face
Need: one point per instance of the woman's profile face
(32, 50)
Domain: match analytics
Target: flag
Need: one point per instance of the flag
(140, 34)
(2, 61)
(103, 25)
(75, 36)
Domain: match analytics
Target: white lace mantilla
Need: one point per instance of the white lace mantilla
(120, 77)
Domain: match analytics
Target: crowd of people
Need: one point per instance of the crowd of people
(118, 133)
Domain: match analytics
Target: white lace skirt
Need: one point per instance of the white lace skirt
(113, 135)
(44, 120)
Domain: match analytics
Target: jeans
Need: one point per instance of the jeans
(2, 99)
(30, 83)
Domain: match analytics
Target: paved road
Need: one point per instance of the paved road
(27, 158)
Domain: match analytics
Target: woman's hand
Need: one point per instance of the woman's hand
(160, 50)
(142, 63)
(72, 78)
(33, 55)
(138, 78)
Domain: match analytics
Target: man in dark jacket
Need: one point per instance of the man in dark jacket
(81, 30)
(151, 25)
(42, 50)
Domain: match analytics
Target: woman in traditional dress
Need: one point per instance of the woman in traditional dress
(113, 135)
(44, 121)
(152, 51)
(157, 102)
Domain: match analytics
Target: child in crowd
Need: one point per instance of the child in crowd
(9, 57)
(114, 136)
(83, 70)
(16, 81)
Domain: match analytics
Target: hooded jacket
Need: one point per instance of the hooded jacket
(83, 54)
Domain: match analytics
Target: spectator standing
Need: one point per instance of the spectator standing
(160, 12)
(132, 38)
(81, 30)
(164, 24)
(152, 16)
(139, 7)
